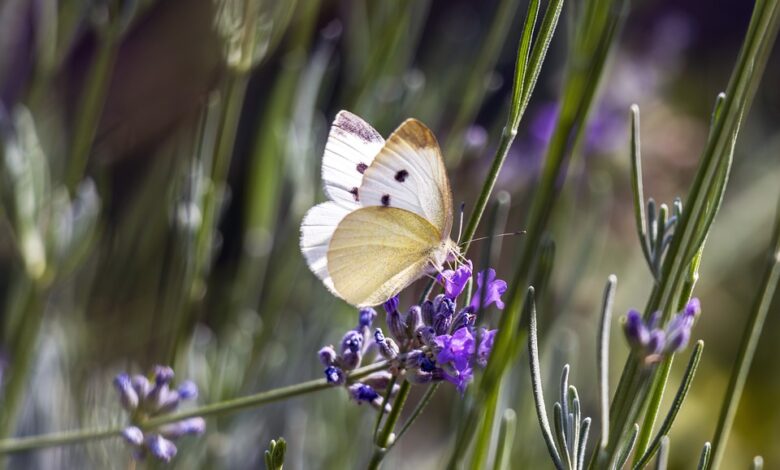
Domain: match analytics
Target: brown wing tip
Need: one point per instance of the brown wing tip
(416, 133)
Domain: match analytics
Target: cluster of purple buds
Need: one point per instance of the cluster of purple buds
(440, 341)
(354, 347)
(431, 342)
(145, 399)
(652, 341)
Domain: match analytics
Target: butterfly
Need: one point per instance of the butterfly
(389, 215)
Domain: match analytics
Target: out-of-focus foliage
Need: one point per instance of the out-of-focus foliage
(158, 157)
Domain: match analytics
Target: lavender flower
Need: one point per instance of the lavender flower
(362, 393)
(433, 341)
(455, 357)
(454, 281)
(653, 342)
(485, 345)
(493, 292)
(366, 317)
(142, 400)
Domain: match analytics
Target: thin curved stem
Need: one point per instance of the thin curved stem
(220, 408)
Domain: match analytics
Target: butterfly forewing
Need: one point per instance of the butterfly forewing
(409, 173)
(377, 251)
(350, 150)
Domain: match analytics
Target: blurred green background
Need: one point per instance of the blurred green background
(180, 146)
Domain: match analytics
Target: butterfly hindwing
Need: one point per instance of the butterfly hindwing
(409, 173)
(316, 232)
(350, 150)
(377, 251)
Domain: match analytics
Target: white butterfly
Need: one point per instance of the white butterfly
(389, 217)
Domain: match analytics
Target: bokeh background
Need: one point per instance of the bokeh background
(183, 189)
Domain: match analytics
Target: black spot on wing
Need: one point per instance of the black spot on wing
(401, 176)
(354, 193)
(386, 200)
(361, 167)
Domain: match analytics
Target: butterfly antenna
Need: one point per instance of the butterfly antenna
(521, 232)
(460, 224)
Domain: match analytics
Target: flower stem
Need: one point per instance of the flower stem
(747, 347)
(383, 441)
(219, 408)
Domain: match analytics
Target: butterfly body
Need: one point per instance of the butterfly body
(389, 217)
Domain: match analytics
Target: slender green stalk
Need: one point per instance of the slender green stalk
(658, 386)
(385, 400)
(484, 434)
(538, 392)
(704, 458)
(383, 441)
(56, 439)
(527, 68)
(475, 85)
(94, 95)
(426, 398)
(748, 345)
(506, 437)
(679, 398)
(603, 355)
(23, 354)
(220, 408)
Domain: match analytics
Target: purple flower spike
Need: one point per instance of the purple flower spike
(366, 317)
(334, 375)
(127, 394)
(362, 393)
(133, 435)
(456, 349)
(657, 342)
(693, 308)
(161, 447)
(485, 346)
(493, 292)
(162, 375)
(442, 319)
(188, 390)
(191, 426)
(396, 325)
(352, 342)
(391, 305)
(636, 331)
(327, 356)
(461, 379)
(454, 281)
(141, 385)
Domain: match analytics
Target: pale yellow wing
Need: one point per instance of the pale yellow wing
(376, 252)
(409, 173)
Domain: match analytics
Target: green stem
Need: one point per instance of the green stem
(220, 408)
(94, 96)
(747, 347)
(383, 441)
(475, 85)
(485, 433)
(23, 355)
(417, 411)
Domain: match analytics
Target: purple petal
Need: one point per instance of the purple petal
(454, 281)
(175, 430)
(635, 329)
(127, 394)
(493, 292)
(133, 435)
(161, 447)
(188, 390)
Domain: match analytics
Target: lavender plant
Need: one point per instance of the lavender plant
(225, 302)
